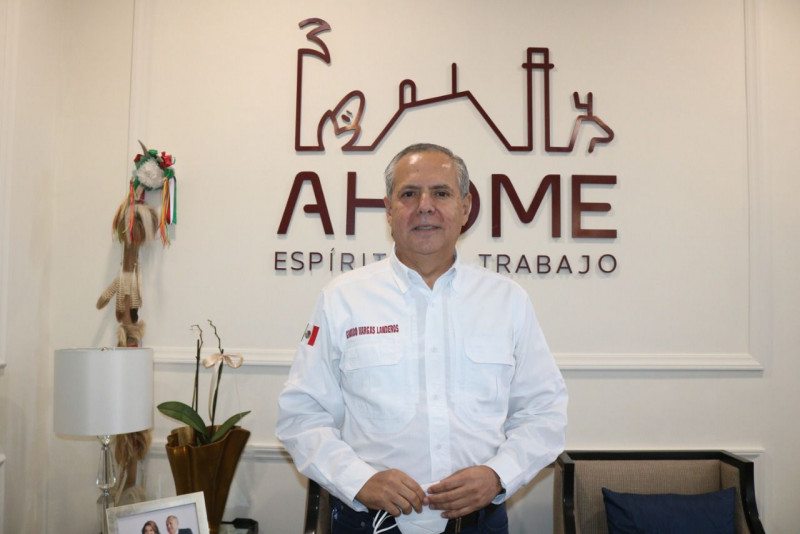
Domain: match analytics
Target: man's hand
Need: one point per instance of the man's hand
(393, 491)
(464, 492)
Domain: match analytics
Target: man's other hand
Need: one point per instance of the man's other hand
(464, 492)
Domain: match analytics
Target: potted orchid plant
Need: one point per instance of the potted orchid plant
(189, 415)
(204, 457)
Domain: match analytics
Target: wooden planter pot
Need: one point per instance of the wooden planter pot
(207, 468)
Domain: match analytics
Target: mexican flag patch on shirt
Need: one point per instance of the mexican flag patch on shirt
(310, 335)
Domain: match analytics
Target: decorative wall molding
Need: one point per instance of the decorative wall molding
(2, 485)
(760, 231)
(658, 362)
(565, 361)
(252, 357)
(274, 452)
(752, 454)
(263, 452)
(8, 81)
(140, 55)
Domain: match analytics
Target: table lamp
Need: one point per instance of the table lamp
(103, 392)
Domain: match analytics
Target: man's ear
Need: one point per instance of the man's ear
(388, 205)
(467, 205)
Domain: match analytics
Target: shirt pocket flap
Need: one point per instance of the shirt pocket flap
(489, 349)
(364, 356)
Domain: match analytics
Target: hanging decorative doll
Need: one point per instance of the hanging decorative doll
(135, 224)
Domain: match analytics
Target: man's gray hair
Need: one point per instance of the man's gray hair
(462, 174)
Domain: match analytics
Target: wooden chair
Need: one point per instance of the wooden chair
(578, 506)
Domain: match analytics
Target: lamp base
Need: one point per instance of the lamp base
(104, 502)
(106, 479)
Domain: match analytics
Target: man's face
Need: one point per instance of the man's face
(172, 525)
(426, 211)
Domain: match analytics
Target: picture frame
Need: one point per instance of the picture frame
(188, 509)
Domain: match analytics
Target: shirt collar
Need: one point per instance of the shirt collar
(404, 276)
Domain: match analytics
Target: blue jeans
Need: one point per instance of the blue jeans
(345, 520)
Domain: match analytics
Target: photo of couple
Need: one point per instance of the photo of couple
(172, 527)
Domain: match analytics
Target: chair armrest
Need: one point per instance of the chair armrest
(565, 495)
(746, 489)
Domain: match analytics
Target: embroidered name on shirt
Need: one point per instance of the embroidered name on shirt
(367, 330)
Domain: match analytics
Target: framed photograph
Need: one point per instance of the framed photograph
(184, 514)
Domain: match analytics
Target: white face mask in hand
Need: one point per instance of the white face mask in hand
(426, 522)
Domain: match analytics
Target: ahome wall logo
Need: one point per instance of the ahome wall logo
(346, 119)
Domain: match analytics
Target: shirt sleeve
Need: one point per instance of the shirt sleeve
(537, 415)
(311, 413)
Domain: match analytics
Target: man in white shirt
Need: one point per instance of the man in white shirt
(423, 388)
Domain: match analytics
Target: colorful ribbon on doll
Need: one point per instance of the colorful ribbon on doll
(132, 212)
(165, 212)
(169, 191)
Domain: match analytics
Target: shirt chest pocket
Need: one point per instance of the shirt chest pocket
(486, 371)
(380, 386)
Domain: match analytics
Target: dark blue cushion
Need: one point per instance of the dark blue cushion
(706, 513)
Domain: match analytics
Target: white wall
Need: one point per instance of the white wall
(32, 78)
(703, 110)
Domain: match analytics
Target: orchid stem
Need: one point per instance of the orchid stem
(219, 375)
(197, 367)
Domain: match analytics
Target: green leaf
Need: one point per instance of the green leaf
(186, 415)
(227, 425)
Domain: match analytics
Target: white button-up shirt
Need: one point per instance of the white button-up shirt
(394, 374)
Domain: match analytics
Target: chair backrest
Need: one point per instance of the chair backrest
(636, 476)
(318, 510)
(579, 477)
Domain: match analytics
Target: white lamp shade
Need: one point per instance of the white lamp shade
(101, 392)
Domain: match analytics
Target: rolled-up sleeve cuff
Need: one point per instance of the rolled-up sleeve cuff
(508, 472)
(501, 497)
(360, 474)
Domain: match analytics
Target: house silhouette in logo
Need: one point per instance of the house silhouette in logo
(346, 116)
